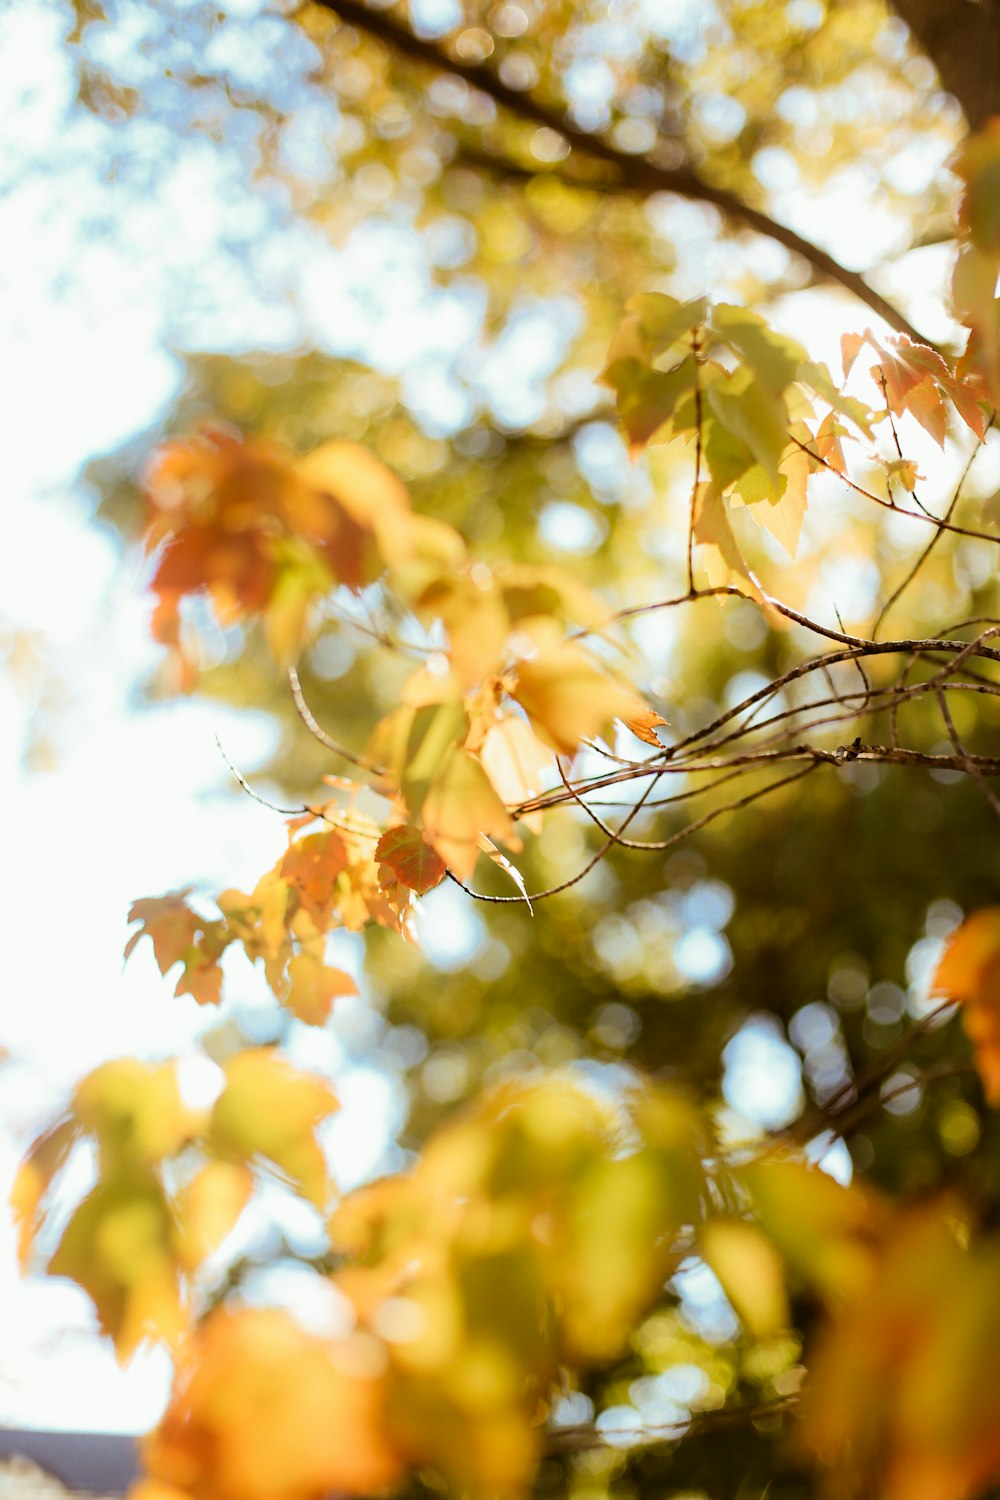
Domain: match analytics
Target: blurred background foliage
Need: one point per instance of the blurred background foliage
(481, 268)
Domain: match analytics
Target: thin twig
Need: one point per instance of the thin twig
(925, 554)
(318, 733)
(988, 793)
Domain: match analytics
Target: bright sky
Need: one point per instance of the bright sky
(95, 278)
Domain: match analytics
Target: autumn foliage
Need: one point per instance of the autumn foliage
(534, 1239)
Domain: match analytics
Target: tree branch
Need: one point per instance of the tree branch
(641, 174)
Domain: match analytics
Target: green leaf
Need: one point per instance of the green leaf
(773, 358)
(434, 733)
(751, 414)
(647, 399)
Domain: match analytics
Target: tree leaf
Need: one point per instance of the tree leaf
(410, 858)
(206, 1210)
(569, 698)
(311, 867)
(269, 1109)
(118, 1246)
(969, 972)
(263, 1410)
(460, 805)
(313, 987)
(644, 725)
(35, 1175)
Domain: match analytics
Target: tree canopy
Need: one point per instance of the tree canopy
(613, 542)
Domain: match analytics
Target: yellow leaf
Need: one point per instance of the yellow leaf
(713, 530)
(270, 1109)
(569, 698)
(460, 805)
(783, 517)
(644, 725)
(33, 1179)
(517, 763)
(751, 1273)
(135, 1111)
(206, 1210)
(118, 1246)
(829, 1234)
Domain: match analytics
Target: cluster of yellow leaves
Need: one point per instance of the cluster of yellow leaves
(523, 1248)
(172, 1181)
(260, 532)
(529, 1239)
(900, 1399)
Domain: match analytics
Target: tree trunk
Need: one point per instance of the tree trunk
(962, 40)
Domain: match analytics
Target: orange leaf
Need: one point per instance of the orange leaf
(569, 698)
(171, 924)
(410, 858)
(644, 725)
(311, 867)
(969, 971)
(313, 988)
(263, 1410)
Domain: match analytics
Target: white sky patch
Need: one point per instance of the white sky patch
(763, 1075)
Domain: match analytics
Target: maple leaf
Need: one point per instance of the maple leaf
(917, 379)
(977, 163)
(517, 764)
(169, 922)
(118, 1246)
(180, 935)
(569, 698)
(829, 1234)
(269, 1109)
(34, 1176)
(313, 986)
(207, 1208)
(827, 442)
(411, 860)
(136, 1112)
(751, 1273)
(367, 492)
(713, 529)
(460, 805)
(311, 867)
